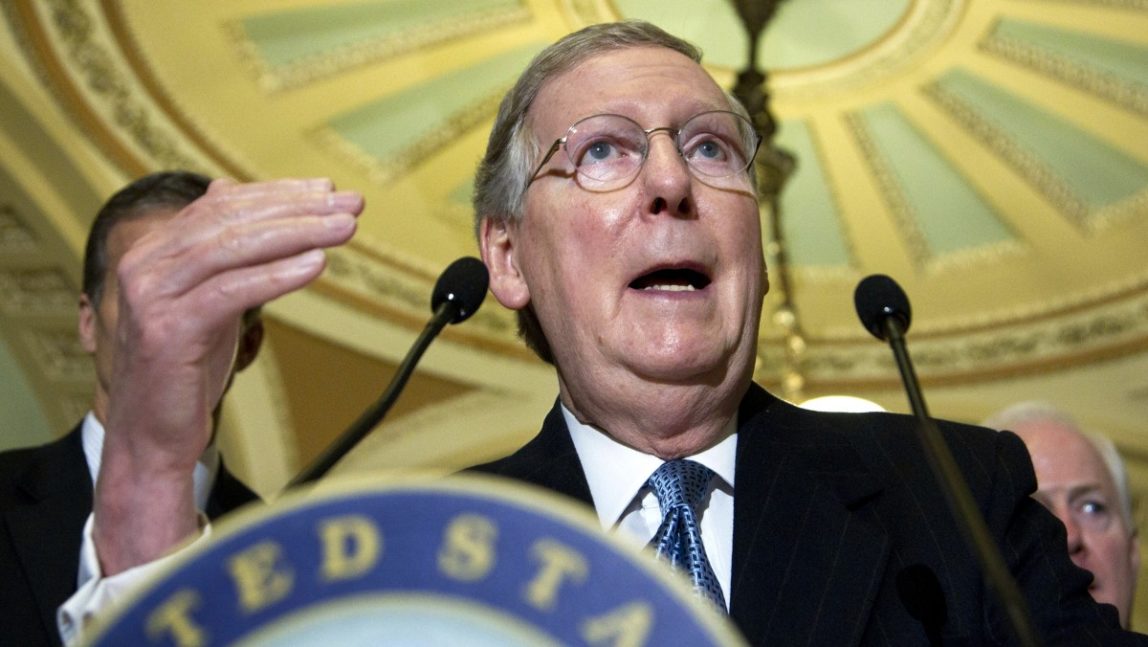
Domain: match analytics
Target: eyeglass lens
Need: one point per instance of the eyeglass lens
(609, 148)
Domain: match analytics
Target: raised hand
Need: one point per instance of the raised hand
(182, 291)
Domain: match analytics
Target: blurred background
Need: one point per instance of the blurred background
(991, 155)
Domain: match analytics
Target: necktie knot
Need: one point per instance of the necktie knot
(680, 482)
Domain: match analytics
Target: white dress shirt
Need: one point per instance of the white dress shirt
(617, 477)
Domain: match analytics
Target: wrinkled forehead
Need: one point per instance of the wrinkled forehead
(654, 86)
(1066, 463)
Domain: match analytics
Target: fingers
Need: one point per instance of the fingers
(183, 287)
(254, 285)
(279, 198)
(236, 227)
(176, 268)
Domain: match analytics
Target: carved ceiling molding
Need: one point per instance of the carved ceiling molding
(1071, 337)
(82, 50)
(361, 279)
(887, 184)
(16, 238)
(84, 55)
(306, 70)
(73, 49)
(41, 291)
(1122, 92)
(924, 28)
(62, 358)
(907, 217)
(30, 284)
(1028, 165)
(38, 317)
(446, 132)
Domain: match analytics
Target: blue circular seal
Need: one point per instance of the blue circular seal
(464, 560)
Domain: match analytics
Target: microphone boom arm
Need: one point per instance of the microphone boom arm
(374, 415)
(957, 493)
(458, 293)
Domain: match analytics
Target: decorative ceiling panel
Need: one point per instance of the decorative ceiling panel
(933, 201)
(1079, 172)
(815, 237)
(289, 47)
(397, 133)
(1108, 67)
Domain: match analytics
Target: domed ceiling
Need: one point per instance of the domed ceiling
(992, 156)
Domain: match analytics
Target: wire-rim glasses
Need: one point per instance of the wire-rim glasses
(608, 150)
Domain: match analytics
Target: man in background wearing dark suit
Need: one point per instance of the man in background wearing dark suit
(46, 491)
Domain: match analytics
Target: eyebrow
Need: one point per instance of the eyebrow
(1086, 489)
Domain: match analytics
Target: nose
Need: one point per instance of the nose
(1075, 536)
(667, 178)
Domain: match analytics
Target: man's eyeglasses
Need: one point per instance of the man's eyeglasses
(607, 151)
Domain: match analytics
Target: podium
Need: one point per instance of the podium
(462, 560)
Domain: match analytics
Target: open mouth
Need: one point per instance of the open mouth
(671, 280)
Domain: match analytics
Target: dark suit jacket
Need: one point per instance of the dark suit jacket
(45, 498)
(831, 510)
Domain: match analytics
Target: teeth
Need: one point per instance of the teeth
(671, 288)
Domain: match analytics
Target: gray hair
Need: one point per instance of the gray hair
(1029, 412)
(511, 152)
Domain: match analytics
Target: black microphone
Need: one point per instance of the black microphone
(879, 298)
(461, 288)
(457, 294)
(884, 310)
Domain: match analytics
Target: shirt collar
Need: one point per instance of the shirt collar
(617, 473)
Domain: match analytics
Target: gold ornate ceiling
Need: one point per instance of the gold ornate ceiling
(992, 155)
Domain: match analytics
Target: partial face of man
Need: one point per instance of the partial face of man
(1074, 483)
(97, 324)
(659, 280)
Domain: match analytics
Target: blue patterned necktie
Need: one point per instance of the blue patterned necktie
(680, 485)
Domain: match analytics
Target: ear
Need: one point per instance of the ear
(250, 341)
(86, 324)
(497, 243)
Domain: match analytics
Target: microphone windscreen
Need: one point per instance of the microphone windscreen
(878, 297)
(921, 594)
(464, 284)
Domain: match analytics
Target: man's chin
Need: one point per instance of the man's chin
(672, 371)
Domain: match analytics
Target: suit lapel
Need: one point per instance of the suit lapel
(46, 531)
(806, 563)
(549, 460)
(227, 494)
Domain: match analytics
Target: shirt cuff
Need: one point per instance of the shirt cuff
(97, 596)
